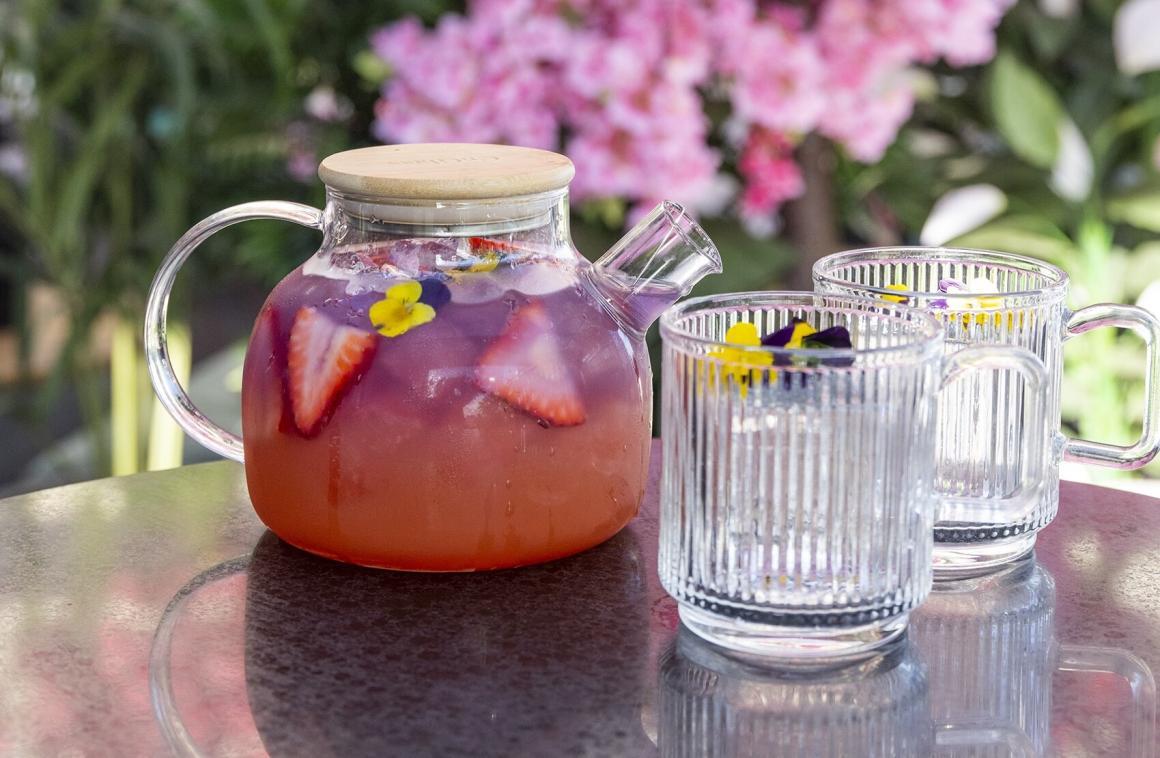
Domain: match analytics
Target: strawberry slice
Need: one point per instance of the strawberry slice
(324, 361)
(525, 367)
(489, 245)
(267, 339)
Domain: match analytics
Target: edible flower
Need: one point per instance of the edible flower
(488, 262)
(401, 309)
(799, 334)
(743, 366)
(835, 336)
(976, 286)
(895, 298)
(487, 253)
(435, 293)
(790, 335)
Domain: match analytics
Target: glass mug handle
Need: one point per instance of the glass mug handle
(1144, 450)
(165, 383)
(1129, 668)
(1025, 362)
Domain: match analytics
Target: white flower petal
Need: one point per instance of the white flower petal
(1134, 34)
(981, 284)
(961, 210)
(717, 195)
(1149, 299)
(1059, 8)
(1071, 176)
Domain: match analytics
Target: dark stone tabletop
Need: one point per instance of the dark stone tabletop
(153, 614)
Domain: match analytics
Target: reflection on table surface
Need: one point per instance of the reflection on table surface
(991, 649)
(341, 660)
(573, 657)
(714, 705)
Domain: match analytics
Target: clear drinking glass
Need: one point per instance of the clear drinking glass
(715, 706)
(796, 494)
(991, 652)
(989, 511)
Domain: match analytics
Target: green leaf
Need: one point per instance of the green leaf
(1027, 111)
(1140, 208)
(371, 68)
(1143, 268)
(609, 211)
(272, 29)
(77, 192)
(1023, 235)
(1140, 114)
(1051, 36)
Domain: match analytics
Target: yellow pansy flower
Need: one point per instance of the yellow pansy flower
(790, 336)
(486, 262)
(986, 299)
(895, 298)
(743, 366)
(801, 330)
(400, 310)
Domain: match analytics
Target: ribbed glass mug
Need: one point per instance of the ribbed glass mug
(991, 651)
(980, 453)
(716, 706)
(796, 492)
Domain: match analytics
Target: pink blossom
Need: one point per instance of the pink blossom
(632, 153)
(462, 82)
(771, 175)
(866, 110)
(598, 68)
(400, 43)
(690, 50)
(623, 86)
(960, 31)
(778, 77)
(868, 46)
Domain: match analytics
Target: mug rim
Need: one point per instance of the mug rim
(930, 334)
(922, 252)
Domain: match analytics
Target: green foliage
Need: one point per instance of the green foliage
(147, 116)
(1004, 125)
(1027, 112)
(1140, 208)
(174, 110)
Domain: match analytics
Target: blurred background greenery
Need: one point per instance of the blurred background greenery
(123, 123)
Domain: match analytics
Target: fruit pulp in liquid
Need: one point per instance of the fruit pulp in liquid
(411, 464)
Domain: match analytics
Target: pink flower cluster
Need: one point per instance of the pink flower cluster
(625, 87)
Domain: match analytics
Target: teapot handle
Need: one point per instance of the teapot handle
(165, 383)
(161, 692)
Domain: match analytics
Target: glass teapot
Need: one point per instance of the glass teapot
(446, 385)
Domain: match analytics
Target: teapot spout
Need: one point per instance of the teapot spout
(654, 265)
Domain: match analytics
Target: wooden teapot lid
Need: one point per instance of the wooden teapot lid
(446, 171)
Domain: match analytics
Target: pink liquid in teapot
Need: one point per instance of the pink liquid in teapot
(510, 427)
